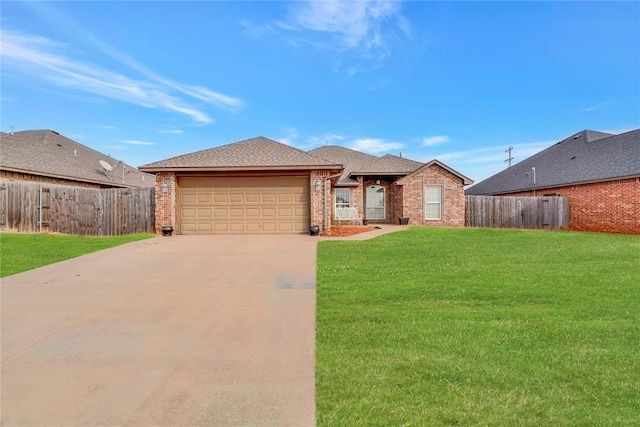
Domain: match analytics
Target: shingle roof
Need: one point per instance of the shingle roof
(390, 165)
(587, 156)
(256, 153)
(351, 159)
(47, 153)
(357, 163)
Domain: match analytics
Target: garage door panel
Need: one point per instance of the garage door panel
(237, 227)
(285, 198)
(220, 227)
(188, 198)
(205, 213)
(188, 227)
(286, 212)
(252, 198)
(220, 198)
(205, 227)
(237, 205)
(268, 198)
(188, 213)
(236, 212)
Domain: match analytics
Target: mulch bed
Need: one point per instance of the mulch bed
(348, 231)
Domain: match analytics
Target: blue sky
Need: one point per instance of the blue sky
(456, 81)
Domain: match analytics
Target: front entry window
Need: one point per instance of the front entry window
(375, 202)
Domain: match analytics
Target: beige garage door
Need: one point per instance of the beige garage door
(244, 205)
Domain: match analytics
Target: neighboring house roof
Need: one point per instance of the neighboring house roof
(465, 180)
(251, 154)
(49, 154)
(587, 156)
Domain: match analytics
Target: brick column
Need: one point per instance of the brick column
(166, 201)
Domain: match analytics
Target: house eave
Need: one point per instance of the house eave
(237, 168)
(379, 173)
(559, 185)
(66, 177)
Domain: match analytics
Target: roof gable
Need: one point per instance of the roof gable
(587, 156)
(256, 153)
(465, 180)
(47, 153)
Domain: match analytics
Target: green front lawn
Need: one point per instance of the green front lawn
(22, 252)
(432, 327)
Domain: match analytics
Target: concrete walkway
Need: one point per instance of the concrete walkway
(181, 330)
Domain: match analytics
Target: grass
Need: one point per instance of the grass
(22, 252)
(445, 327)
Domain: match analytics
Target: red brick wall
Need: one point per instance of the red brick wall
(453, 204)
(166, 202)
(19, 176)
(606, 207)
(320, 212)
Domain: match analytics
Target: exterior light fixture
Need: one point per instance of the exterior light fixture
(165, 187)
(318, 185)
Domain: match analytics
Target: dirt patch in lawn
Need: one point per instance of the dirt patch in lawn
(344, 231)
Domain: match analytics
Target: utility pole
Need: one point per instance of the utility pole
(510, 158)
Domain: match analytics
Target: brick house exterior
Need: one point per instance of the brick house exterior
(453, 204)
(403, 182)
(194, 192)
(598, 172)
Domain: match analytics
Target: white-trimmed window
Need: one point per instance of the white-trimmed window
(343, 198)
(375, 202)
(433, 202)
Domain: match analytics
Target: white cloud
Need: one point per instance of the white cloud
(171, 131)
(136, 142)
(366, 28)
(594, 107)
(481, 163)
(434, 140)
(48, 61)
(374, 145)
(324, 139)
(291, 134)
(356, 24)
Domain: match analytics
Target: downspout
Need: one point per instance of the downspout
(324, 199)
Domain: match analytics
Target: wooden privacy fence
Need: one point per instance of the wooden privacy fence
(34, 207)
(542, 213)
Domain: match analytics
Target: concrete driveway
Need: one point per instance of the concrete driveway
(181, 330)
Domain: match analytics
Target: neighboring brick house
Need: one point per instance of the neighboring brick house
(262, 186)
(46, 156)
(598, 172)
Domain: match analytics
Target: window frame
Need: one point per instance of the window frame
(337, 204)
(427, 202)
(384, 203)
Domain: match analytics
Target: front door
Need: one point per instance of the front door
(375, 202)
